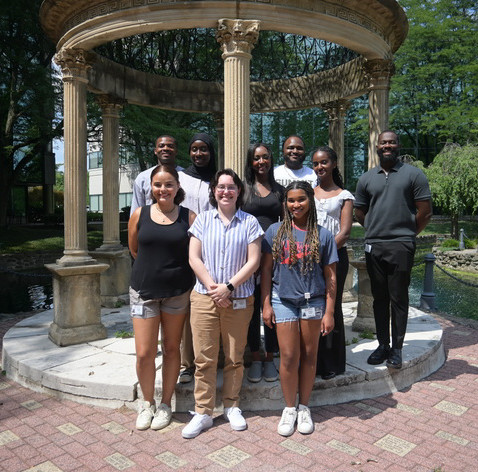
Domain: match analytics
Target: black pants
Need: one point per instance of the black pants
(331, 354)
(389, 265)
(254, 333)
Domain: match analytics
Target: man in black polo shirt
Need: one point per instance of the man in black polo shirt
(393, 203)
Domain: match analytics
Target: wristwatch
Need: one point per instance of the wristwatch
(229, 286)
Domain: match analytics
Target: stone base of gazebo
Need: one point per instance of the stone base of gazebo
(103, 372)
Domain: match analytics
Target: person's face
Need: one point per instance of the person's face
(298, 205)
(226, 192)
(322, 164)
(261, 162)
(166, 151)
(388, 148)
(199, 153)
(294, 152)
(164, 187)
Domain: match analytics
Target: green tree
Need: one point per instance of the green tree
(27, 94)
(435, 89)
(453, 177)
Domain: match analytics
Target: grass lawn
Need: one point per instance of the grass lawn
(17, 239)
(49, 239)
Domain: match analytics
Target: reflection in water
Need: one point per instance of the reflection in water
(25, 292)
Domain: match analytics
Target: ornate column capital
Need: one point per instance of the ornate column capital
(111, 105)
(74, 63)
(336, 110)
(237, 37)
(379, 71)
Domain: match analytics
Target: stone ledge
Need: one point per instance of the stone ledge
(103, 372)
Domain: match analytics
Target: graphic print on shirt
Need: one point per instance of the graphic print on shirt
(302, 251)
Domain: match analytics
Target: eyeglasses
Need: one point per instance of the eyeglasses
(225, 188)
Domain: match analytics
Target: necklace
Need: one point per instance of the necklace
(165, 214)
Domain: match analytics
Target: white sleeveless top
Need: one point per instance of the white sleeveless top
(329, 209)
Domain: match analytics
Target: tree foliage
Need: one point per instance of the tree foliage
(435, 89)
(453, 177)
(27, 94)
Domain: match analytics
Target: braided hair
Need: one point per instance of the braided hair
(286, 232)
(336, 175)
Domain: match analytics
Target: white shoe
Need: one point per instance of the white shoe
(145, 415)
(162, 417)
(287, 421)
(235, 418)
(305, 425)
(196, 425)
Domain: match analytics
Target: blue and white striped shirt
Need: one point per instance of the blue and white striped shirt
(224, 248)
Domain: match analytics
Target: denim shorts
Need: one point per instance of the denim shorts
(143, 309)
(286, 311)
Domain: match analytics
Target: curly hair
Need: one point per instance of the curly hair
(336, 175)
(180, 195)
(286, 233)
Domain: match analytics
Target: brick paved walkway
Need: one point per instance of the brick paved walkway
(431, 426)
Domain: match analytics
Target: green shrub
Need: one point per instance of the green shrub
(450, 244)
(470, 243)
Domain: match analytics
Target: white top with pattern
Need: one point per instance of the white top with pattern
(329, 209)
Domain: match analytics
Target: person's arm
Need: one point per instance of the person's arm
(192, 217)
(360, 213)
(330, 292)
(345, 224)
(133, 233)
(266, 287)
(219, 292)
(423, 215)
(197, 264)
(138, 197)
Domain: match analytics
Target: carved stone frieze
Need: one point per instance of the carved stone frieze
(237, 36)
(379, 69)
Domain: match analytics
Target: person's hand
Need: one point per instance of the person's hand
(220, 294)
(328, 324)
(268, 316)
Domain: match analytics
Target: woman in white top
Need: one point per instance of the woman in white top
(334, 211)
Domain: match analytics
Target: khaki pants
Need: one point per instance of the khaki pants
(210, 323)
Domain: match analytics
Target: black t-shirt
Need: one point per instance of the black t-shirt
(267, 209)
(161, 269)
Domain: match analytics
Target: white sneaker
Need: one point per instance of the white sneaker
(305, 425)
(196, 425)
(145, 415)
(162, 417)
(287, 421)
(235, 418)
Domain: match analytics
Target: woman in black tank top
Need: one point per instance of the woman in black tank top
(161, 281)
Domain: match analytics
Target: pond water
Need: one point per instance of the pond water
(25, 292)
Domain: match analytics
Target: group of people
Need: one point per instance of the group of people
(212, 253)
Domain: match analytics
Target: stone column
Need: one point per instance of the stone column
(74, 67)
(336, 112)
(237, 38)
(379, 72)
(76, 276)
(114, 282)
(219, 120)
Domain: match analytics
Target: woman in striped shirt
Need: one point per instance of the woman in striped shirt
(224, 252)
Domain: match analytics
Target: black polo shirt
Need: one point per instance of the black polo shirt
(390, 201)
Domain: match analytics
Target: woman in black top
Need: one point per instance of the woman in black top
(263, 198)
(161, 282)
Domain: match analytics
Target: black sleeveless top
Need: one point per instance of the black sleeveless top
(161, 268)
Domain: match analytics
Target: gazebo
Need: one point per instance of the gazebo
(374, 29)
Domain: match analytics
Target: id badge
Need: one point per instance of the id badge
(137, 310)
(368, 248)
(308, 312)
(239, 304)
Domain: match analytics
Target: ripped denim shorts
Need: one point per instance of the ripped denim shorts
(286, 311)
